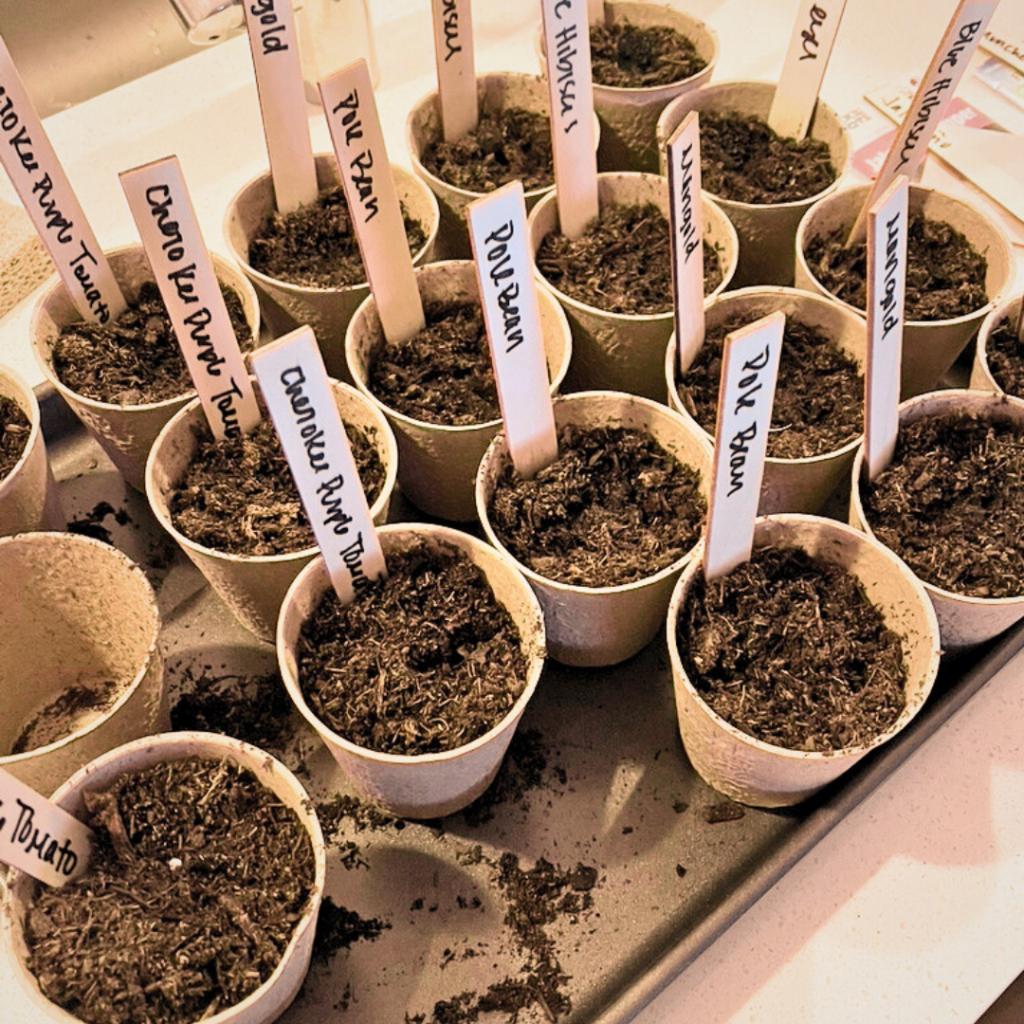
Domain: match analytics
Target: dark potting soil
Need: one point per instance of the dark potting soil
(945, 273)
(315, 247)
(14, 430)
(338, 927)
(613, 508)
(744, 160)
(627, 56)
(68, 712)
(788, 649)
(622, 263)
(951, 504)
(818, 401)
(1006, 358)
(443, 374)
(135, 360)
(424, 661)
(509, 145)
(238, 495)
(198, 878)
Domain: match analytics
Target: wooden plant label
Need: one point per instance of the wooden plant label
(273, 41)
(887, 279)
(928, 107)
(300, 399)
(45, 192)
(746, 394)
(456, 70)
(162, 209)
(372, 200)
(508, 292)
(687, 238)
(38, 837)
(571, 97)
(810, 47)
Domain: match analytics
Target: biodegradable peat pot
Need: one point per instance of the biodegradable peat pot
(253, 586)
(788, 485)
(28, 493)
(326, 310)
(423, 785)
(267, 1002)
(982, 377)
(124, 432)
(621, 351)
(437, 462)
(764, 775)
(591, 627)
(629, 117)
(78, 613)
(930, 347)
(963, 621)
(496, 92)
(766, 230)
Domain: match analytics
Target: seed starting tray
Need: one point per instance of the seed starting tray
(597, 776)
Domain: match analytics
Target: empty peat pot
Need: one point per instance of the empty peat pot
(28, 493)
(930, 347)
(253, 586)
(426, 785)
(80, 664)
(963, 620)
(125, 432)
(766, 230)
(986, 374)
(273, 996)
(626, 351)
(437, 462)
(788, 484)
(761, 774)
(597, 626)
(326, 310)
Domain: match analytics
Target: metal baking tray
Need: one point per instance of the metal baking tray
(612, 789)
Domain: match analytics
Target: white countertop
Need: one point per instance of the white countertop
(912, 909)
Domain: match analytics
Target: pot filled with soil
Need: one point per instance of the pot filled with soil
(642, 56)
(417, 687)
(512, 142)
(615, 281)
(306, 266)
(604, 531)
(958, 264)
(950, 504)
(999, 357)
(437, 390)
(796, 664)
(818, 415)
(200, 899)
(28, 492)
(764, 183)
(80, 667)
(233, 508)
(126, 379)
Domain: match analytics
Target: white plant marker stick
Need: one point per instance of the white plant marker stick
(372, 200)
(746, 395)
(45, 192)
(887, 280)
(508, 292)
(300, 399)
(928, 106)
(687, 238)
(162, 209)
(38, 837)
(571, 97)
(456, 69)
(274, 43)
(810, 47)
